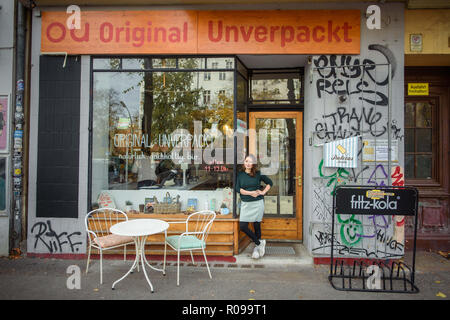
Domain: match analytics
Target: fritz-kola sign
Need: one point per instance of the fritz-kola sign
(378, 200)
(202, 32)
(359, 202)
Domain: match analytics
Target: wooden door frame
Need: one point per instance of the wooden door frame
(298, 116)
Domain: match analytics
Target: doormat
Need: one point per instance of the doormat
(282, 250)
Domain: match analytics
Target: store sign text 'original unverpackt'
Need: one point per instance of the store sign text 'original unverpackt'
(203, 32)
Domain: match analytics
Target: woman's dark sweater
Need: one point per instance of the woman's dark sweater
(248, 183)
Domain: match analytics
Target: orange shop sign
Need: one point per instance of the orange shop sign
(204, 32)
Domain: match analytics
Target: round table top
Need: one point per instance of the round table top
(139, 227)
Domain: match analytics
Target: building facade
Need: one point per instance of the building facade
(145, 104)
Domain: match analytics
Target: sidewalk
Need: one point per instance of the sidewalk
(269, 278)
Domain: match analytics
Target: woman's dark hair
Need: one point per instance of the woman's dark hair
(254, 166)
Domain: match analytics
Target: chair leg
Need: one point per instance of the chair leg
(88, 259)
(207, 266)
(101, 266)
(164, 264)
(178, 269)
(192, 257)
(125, 253)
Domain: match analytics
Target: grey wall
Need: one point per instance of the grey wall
(327, 119)
(56, 235)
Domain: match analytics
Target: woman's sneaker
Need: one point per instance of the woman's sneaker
(262, 247)
(255, 254)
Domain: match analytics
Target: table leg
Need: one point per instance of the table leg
(140, 257)
(156, 269)
(142, 253)
(135, 263)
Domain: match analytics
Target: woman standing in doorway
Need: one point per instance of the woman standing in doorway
(248, 184)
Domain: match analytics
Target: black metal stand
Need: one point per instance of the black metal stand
(372, 275)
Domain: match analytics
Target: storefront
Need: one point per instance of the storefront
(427, 104)
(152, 112)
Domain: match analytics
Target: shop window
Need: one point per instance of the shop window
(158, 131)
(227, 63)
(420, 140)
(191, 63)
(164, 63)
(277, 87)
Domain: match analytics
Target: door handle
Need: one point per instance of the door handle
(299, 178)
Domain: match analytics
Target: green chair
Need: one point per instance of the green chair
(198, 226)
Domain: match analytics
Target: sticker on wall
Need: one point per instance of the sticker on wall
(415, 42)
(341, 153)
(377, 150)
(418, 89)
(4, 124)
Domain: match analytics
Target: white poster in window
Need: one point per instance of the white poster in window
(270, 204)
(377, 150)
(286, 205)
(4, 123)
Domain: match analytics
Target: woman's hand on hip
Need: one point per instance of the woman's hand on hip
(255, 194)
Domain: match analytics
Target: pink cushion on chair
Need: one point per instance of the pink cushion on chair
(112, 240)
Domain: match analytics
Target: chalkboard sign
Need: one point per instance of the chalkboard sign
(376, 200)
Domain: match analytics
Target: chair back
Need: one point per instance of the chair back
(98, 221)
(200, 221)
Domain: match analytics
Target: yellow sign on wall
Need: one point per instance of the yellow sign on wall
(418, 89)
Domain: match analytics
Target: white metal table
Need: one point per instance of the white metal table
(140, 229)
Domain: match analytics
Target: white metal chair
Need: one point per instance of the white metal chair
(199, 224)
(97, 224)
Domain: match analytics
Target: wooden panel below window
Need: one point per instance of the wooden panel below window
(222, 239)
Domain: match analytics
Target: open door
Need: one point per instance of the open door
(283, 214)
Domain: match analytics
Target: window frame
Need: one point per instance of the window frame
(231, 66)
(435, 180)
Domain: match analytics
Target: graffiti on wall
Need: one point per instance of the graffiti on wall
(349, 75)
(46, 237)
(375, 236)
(344, 123)
(363, 85)
(364, 79)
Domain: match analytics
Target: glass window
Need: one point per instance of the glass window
(419, 136)
(191, 63)
(220, 63)
(138, 64)
(107, 64)
(275, 88)
(164, 63)
(207, 97)
(162, 134)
